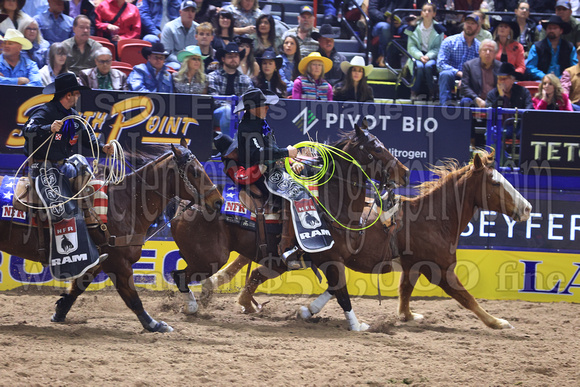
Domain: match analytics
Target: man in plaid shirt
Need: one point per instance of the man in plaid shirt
(227, 81)
(454, 52)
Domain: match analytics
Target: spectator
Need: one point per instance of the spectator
(381, 20)
(248, 64)
(74, 8)
(571, 82)
(81, 48)
(304, 31)
(311, 84)
(482, 33)
(423, 45)
(245, 12)
(227, 81)
(507, 94)
(102, 76)
(155, 15)
(204, 36)
(290, 59)
(564, 10)
(39, 50)
(479, 75)
(34, 7)
(551, 96)
(180, 33)
(54, 24)
(191, 78)
(12, 8)
(551, 54)
(56, 64)
(224, 30)
(527, 27)
(15, 68)
(152, 76)
(269, 77)
(265, 36)
(325, 40)
(453, 53)
(505, 34)
(207, 10)
(354, 87)
(118, 19)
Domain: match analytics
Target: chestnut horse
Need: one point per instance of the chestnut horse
(206, 245)
(133, 207)
(431, 225)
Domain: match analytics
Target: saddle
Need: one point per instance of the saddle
(256, 203)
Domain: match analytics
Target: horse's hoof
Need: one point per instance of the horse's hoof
(412, 317)
(304, 313)
(502, 324)
(57, 319)
(360, 327)
(206, 293)
(249, 309)
(162, 327)
(190, 308)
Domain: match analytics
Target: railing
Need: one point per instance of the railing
(363, 44)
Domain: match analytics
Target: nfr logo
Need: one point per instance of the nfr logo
(530, 274)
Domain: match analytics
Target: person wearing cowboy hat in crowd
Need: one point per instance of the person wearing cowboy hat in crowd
(227, 81)
(12, 14)
(151, 76)
(304, 31)
(102, 76)
(325, 38)
(191, 78)
(180, 33)
(551, 54)
(354, 87)
(269, 77)
(16, 68)
(257, 146)
(311, 84)
(47, 120)
(508, 94)
(54, 24)
(564, 10)
(505, 34)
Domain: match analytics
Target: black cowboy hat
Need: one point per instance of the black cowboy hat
(231, 47)
(64, 83)
(254, 98)
(506, 69)
(326, 31)
(226, 13)
(224, 144)
(270, 54)
(506, 19)
(558, 21)
(241, 39)
(156, 48)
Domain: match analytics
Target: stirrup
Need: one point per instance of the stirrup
(102, 257)
(290, 261)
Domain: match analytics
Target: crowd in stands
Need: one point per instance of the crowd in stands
(206, 47)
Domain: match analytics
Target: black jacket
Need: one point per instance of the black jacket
(377, 8)
(544, 50)
(37, 130)
(253, 146)
(472, 81)
(520, 98)
(342, 94)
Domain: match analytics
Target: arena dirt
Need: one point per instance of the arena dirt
(103, 344)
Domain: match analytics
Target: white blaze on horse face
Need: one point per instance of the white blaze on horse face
(522, 206)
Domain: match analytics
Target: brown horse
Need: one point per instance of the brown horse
(206, 245)
(133, 206)
(432, 223)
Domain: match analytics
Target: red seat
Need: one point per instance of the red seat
(123, 42)
(131, 52)
(532, 86)
(122, 66)
(106, 43)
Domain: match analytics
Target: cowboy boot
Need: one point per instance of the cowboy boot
(287, 246)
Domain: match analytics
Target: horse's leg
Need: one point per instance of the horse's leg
(66, 301)
(258, 276)
(406, 285)
(315, 306)
(122, 277)
(453, 287)
(337, 287)
(223, 276)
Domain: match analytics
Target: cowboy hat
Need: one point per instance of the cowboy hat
(64, 83)
(326, 31)
(357, 61)
(303, 65)
(224, 144)
(16, 36)
(554, 19)
(270, 54)
(506, 69)
(231, 48)
(156, 48)
(188, 52)
(241, 39)
(255, 98)
(506, 19)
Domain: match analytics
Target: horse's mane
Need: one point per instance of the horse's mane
(344, 136)
(140, 157)
(450, 169)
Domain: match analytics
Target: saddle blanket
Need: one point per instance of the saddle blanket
(312, 233)
(236, 213)
(6, 198)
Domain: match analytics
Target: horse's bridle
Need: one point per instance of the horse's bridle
(188, 185)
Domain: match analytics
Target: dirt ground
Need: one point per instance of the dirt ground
(103, 343)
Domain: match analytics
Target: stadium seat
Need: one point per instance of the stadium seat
(129, 51)
(532, 86)
(106, 43)
(122, 66)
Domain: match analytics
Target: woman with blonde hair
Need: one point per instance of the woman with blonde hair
(311, 84)
(506, 33)
(551, 96)
(38, 52)
(191, 78)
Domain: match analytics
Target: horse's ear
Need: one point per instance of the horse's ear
(365, 124)
(358, 131)
(477, 162)
(183, 142)
(173, 149)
